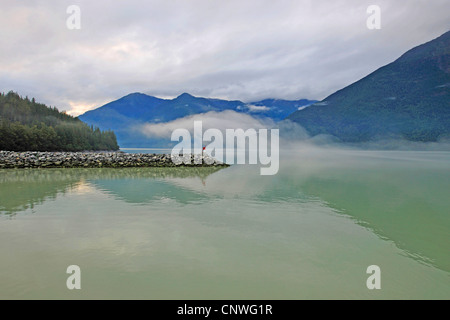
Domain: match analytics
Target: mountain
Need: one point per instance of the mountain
(125, 114)
(408, 98)
(26, 125)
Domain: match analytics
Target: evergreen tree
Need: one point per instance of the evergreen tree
(29, 126)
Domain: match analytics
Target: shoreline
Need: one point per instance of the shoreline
(94, 159)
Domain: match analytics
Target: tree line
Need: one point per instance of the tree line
(26, 125)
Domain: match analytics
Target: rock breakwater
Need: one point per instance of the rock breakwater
(35, 159)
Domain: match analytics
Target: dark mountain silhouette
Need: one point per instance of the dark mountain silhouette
(124, 114)
(408, 98)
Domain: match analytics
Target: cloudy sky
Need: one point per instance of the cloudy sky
(232, 49)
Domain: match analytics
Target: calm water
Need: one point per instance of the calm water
(308, 232)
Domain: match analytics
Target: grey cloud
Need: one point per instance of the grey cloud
(247, 50)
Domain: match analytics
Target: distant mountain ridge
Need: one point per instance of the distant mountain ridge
(137, 108)
(408, 98)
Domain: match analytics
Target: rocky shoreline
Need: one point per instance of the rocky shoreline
(36, 159)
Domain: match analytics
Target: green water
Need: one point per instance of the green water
(309, 232)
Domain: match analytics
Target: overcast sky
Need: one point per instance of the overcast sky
(245, 49)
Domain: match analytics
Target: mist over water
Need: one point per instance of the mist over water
(293, 136)
(310, 231)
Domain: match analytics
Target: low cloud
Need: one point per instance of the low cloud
(253, 108)
(303, 107)
(218, 120)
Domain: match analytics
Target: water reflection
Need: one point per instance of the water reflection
(400, 197)
(406, 206)
(23, 189)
